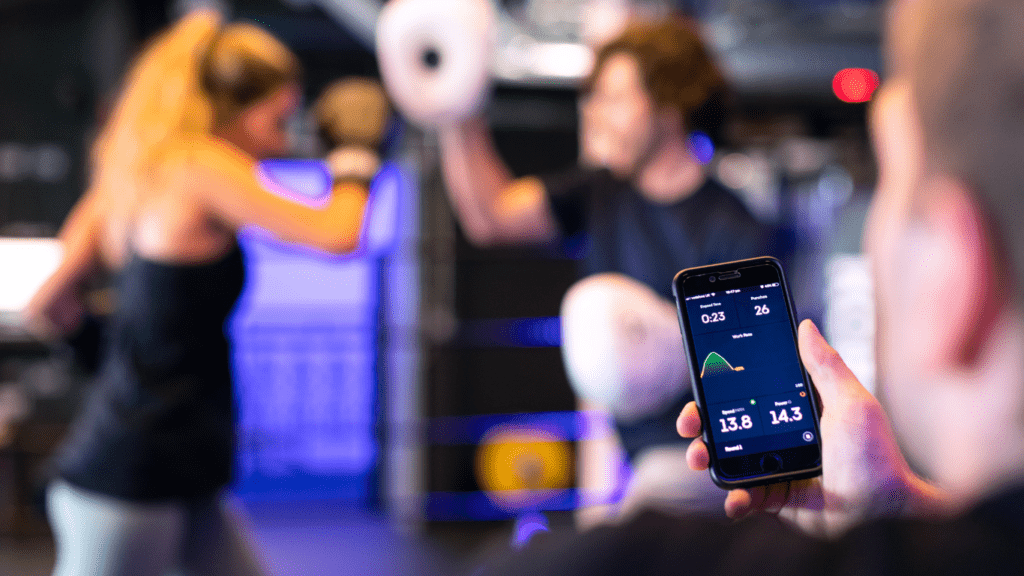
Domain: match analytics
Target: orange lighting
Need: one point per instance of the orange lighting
(855, 84)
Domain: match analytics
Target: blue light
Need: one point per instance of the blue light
(380, 225)
(477, 506)
(536, 332)
(526, 526)
(701, 146)
(305, 356)
(309, 182)
(451, 430)
(540, 332)
(305, 178)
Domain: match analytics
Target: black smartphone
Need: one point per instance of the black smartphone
(756, 402)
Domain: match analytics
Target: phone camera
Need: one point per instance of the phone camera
(711, 279)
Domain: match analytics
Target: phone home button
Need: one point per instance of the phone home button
(770, 463)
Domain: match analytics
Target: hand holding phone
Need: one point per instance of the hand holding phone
(757, 404)
(864, 473)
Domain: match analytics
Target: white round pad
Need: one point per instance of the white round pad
(435, 57)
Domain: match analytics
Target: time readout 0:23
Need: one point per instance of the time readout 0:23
(715, 308)
(719, 316)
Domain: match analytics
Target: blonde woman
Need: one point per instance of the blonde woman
(140, 477)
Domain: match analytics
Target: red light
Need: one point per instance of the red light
(855, 84)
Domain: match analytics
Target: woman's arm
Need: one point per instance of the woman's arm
(57, 307)
(230, 189)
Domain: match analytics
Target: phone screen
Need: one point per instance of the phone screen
(752, 387)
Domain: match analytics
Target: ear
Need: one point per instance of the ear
(952, 275)
(252, 121)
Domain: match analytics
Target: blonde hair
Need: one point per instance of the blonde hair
(195, 75)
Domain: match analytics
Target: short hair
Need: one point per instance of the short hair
(966, 72)
(677, 70)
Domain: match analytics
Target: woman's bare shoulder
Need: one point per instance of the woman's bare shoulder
(201, 161)
(208, 152)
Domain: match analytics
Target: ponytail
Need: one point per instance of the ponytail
(161, 102)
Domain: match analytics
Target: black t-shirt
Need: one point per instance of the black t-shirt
(986, 540)
(159, 421)
(646, 240)
(651, 242)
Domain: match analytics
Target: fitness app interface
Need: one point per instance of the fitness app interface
(754, 391)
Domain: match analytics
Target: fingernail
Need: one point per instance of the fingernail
(814, 327)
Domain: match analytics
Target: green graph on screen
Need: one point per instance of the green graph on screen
(715, 365)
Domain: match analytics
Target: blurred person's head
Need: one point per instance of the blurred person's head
(200, 78)
(654, 81)
(252, 82)
(946, 241)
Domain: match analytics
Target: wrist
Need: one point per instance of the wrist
(353, 162)
(922, 499)
(463, 128)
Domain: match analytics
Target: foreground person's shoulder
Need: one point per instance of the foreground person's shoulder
(655, 543)
(988, 539)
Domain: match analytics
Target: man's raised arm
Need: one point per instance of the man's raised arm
(492, 207)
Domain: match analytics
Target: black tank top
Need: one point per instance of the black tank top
(159, 422)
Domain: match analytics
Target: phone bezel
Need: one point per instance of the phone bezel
(797, 462)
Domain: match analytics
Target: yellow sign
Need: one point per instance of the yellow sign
(518, 466)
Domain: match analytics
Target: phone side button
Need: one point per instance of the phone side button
(770, 463)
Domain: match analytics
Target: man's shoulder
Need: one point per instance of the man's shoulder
(579, 181)
(986, 540)
(714, 193)
(654, 543)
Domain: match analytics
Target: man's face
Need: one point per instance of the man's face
(895, 241)
(890, 239)
(618, 128)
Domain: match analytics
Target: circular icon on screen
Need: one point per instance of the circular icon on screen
(808, 436)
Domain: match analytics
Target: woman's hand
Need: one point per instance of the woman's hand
(864, 474)
(358, 163)
(53, 313)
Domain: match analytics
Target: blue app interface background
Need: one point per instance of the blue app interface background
(754, 392)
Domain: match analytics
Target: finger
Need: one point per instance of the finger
(770, 499)
(697, 456)
(805, 498)
(688, 423)
(776, 497)
(740, 502)
(832, 378)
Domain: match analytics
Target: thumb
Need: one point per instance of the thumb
(832, 378)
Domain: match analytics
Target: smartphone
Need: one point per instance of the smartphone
(756, 402)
